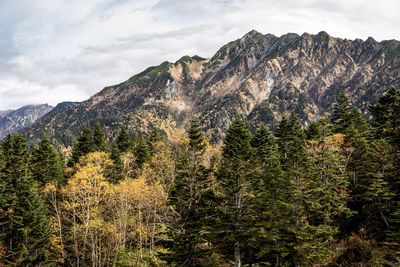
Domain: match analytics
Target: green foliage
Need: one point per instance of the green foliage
(341, 113)
(123, 142)
(45, 163)
(236, 179)
(83, 145)
(99, 138)
(293, 198)
(190, 198)
(24, 228)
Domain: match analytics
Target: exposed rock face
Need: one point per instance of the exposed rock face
(261, 77)
(13, 120)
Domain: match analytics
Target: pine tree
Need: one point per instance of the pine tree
(45, 163)
(123, 142)
(83, 146)
(190, 199)
(386, 122)
(295, 164)
(326, 194)
(267, 204)
(235, 176)
(23, 225)
(116, 173)
(142, 151)
(341, 113)
(99, 138)
(386, 116)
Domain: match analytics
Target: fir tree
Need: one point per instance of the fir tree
(123, 142)
(46, 165)
(142, 151)
(24, 223)
(295, 164)
(267, 204)
(117, 170)
(99, 138)
(190, 199)
(83, 146)
(341, 113)
(235, 177)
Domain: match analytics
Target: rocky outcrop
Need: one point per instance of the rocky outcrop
(12, 121)
(260, 77)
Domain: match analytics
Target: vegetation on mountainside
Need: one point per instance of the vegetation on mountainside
(323, 195)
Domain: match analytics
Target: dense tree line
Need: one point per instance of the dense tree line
(325, 194)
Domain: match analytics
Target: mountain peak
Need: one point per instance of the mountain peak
(261, 77)
(15, 120)
(252, 34)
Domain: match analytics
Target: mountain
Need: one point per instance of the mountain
(261, 77)
(14, 120)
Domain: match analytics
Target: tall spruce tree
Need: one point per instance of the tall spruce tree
(235, 176)
(123, 142)
(295, 164)
(268, 203)
(386, 122)
(83, 145)
(190, 199)
(24, 226)
(99, 139)
(45, 163)
(341, 113)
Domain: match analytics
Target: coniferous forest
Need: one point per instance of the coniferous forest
(322, 194)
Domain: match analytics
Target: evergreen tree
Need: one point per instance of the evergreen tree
(386, 121)
(326, 194)
(190, 198)
(117, 170)
(46, 165)
(24, 226)
(386, 116)
(83, 146)
(235, 177)
(142, 151)
(123, 142)
(269, 188)
(295, 164)
(341, 113)
(99, 138)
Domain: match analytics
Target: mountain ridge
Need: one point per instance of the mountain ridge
(12, 121)
(261, 77)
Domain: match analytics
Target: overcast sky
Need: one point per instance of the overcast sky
(67, 50)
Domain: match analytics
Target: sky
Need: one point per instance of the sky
(67, 50)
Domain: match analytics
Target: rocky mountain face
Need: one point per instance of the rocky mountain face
(260, 77)
(12, 121)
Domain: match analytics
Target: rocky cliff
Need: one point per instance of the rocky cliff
(14, 120)
(261, 77)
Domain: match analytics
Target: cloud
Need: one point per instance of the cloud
(67, 50)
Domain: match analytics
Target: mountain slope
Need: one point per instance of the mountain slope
(14, 120)
(261, 77)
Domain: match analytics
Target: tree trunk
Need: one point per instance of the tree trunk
(238, 262)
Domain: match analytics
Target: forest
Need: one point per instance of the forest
(322, 194)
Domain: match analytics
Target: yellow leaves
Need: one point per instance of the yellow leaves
(50, 188)
(335, 139)
(117, 214)
(89, 177)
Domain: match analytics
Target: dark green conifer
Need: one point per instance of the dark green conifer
(46, 165)
(24, 226)
(83, 145)
(123, 142)
(236, 178)
(99, 138)
(190, 198)
(341, 113)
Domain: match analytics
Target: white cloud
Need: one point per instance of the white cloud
(67, 50)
